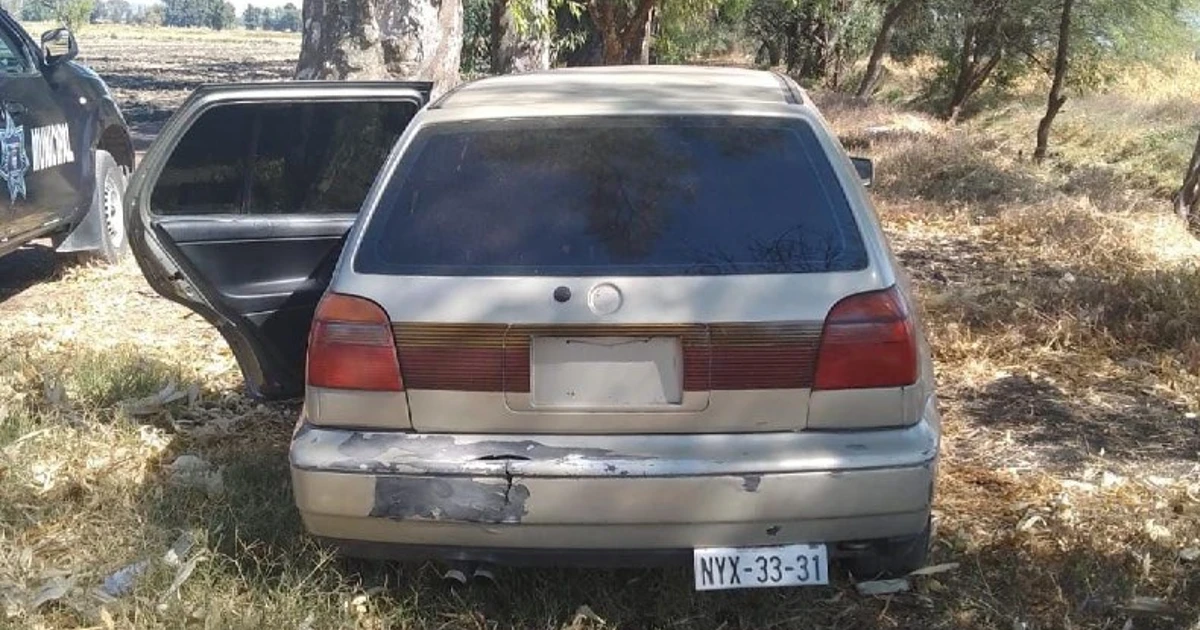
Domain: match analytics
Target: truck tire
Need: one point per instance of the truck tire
(108, 201)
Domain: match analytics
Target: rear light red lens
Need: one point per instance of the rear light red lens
(351, 346)
(868, 341)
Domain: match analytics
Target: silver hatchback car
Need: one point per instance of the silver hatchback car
(613, 315)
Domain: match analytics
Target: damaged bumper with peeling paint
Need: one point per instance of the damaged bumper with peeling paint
(468, 496)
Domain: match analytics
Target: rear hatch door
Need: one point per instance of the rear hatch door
(240, 208)
(611, 274)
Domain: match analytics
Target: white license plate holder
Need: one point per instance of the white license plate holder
(606, 373)
(719, 568)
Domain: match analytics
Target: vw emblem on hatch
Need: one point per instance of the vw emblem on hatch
(604, 299)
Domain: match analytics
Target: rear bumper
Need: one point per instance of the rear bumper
(500, 497)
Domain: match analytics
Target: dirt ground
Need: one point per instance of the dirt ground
(1069, 495)
(151, 71)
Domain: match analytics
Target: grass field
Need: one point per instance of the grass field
(1063, 303)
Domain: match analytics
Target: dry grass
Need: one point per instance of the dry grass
(1063, 307)
(1137, 131)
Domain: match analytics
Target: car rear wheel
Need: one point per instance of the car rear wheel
(109, 202)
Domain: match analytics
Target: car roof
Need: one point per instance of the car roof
(644, 85)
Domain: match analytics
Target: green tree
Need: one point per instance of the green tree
(289, 18)
(477, 37)
(185, 12)
(983, 42)
(221, 15)
(520, 33)
(689, 30)
(766, 23)
(622, 27)
(115, 11)
(151, 15)
(252, 17)
(817, 39)
(34, 11)
(893, 11)
(72, 14)
(1094, 36)
(119, 10)
(14, 7)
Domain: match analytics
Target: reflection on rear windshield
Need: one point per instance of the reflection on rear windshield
(613, 196)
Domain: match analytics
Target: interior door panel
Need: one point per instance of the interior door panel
(269, 270)
(259, 264)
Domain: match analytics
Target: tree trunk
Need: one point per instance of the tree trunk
(1056, 99)
(382, 39)
(514, 51)
(816, 55)
(1187, 198)
(972, 74)
(792, 45)
(622, 31)
(837, 25)
(883, 40)
(962, 82)
(769, 54)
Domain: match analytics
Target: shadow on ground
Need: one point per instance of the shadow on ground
(1069, 431)
(30, 265)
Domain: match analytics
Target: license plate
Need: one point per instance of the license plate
(596, 373)
(760, 567)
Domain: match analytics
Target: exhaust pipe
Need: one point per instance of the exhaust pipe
(459, 574)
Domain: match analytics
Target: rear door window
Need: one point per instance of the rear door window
(291, 157)
(613, 196)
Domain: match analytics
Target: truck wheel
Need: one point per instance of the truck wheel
(109, 201)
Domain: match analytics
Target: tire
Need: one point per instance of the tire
(891, 559)
(108, 201)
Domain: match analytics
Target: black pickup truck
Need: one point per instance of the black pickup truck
(65, 151)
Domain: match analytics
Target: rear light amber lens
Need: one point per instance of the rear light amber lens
(868, 341)
(351, 346)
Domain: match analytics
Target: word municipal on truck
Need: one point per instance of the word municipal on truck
(51, 146)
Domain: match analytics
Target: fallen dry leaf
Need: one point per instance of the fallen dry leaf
(883, 587)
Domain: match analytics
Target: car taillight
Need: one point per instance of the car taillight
(351, 346)
(868, 341)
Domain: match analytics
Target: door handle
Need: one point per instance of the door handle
(14, 107)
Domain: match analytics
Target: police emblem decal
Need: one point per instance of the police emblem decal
(14, 161)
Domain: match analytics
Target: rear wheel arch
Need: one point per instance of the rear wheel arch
(116, 142)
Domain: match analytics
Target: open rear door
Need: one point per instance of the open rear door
(240, 207)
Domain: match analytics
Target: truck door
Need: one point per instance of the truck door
(41, 165)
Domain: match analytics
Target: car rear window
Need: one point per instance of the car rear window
(277, 158)
(613, 196)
